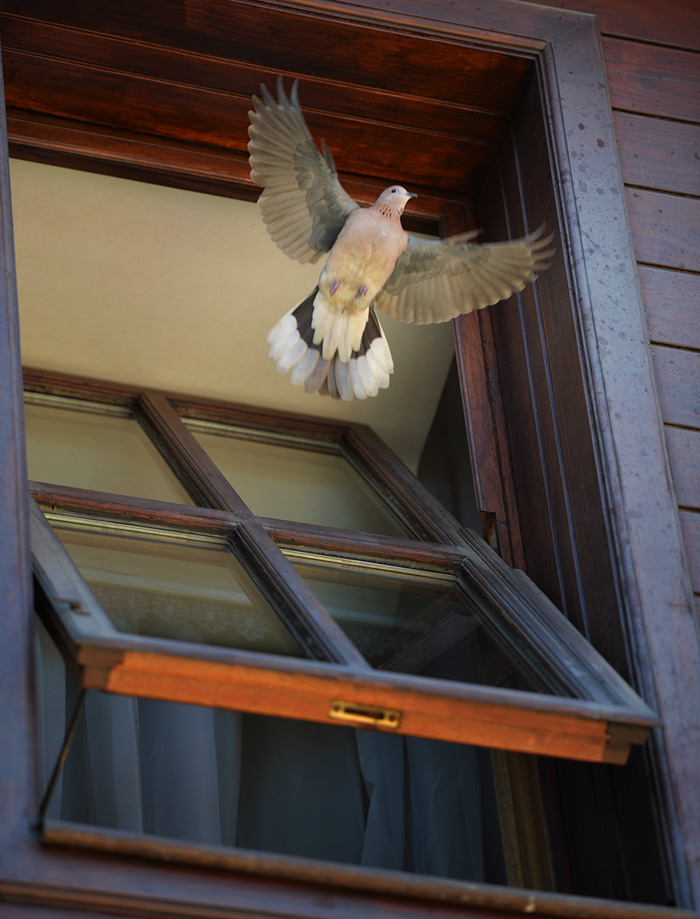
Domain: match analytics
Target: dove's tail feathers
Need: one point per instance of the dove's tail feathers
(290, 339)
(368, 370)
(292, 349)
(337, 330)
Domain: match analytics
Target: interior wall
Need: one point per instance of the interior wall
(164, 288)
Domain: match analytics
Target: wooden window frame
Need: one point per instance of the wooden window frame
(596, 717)
(623, 417)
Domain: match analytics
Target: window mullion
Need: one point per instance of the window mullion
(202, 477)
(399, 488)
(288, 589)
(138, 510)
(350, 543)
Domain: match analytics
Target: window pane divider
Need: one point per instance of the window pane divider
(178, 444)
(402, 491)
(82, 388)
(335, 542)
(140, 510)
(291, 688)
(263, 423)
(291, 590)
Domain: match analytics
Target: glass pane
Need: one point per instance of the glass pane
(77, 444)
(182, 592)
(425, 626)
(273, 785)
(297, 483)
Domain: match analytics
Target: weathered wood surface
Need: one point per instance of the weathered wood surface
(656, 96)
(678, 380)
(659, 154)
(690, 523)
(666, 228)
(672, 301)
(678, 24)
(16, 766)
(684, 453)
(651, 80)
(655, 91)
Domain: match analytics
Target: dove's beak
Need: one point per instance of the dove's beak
(412, 194)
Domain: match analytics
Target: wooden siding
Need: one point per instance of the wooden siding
(652, 56)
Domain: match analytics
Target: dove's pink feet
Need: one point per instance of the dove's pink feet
(334, 286)
(362, 291)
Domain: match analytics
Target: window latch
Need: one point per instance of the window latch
(367, 715)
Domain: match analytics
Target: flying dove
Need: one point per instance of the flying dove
(332, 341)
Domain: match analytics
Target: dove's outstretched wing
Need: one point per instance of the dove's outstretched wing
(436, 280)
(304, 206)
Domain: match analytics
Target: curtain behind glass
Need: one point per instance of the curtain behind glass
(270, 784)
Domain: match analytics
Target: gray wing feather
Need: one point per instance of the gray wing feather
(303, 206)
(436, 280)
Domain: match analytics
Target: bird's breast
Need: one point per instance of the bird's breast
(360, 263)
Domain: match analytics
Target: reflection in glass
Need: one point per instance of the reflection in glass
(85, 445)
(297, 483)
(182, 592)
(424, 626)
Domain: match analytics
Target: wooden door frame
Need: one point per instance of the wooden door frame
(623, 419)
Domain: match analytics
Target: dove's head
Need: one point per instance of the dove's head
(396, 197)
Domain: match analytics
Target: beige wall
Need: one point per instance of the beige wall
(160, 287)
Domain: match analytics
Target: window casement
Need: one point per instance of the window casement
(335, 625)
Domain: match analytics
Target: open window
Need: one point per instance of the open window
(374, 636)
(284, 617)
(512, 84)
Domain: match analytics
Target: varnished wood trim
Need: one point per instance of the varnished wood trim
(189, 460)
(439, 897)
(400, 489)
(543, 728)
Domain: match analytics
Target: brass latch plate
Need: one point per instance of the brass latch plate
(367, 715)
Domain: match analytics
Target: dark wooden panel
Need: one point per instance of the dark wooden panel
(16, 911)
(690, 525)
(672, 301)
(201, 116)
(72, 144)
(684, 453)
(338, 49)
(234, 78)
(652, 80)
(487, 433)
(666, 228)
(670, 24)
(678, 382)
(564, 533)
(513, 323)
(508, 373)
(122, 100)
(660, 154)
